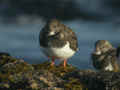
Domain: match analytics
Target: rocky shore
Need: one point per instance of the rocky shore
(15, 74)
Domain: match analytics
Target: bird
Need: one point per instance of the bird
(57, 41)
(104, 57)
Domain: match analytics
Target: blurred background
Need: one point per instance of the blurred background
(92, 20)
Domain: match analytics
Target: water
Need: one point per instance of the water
(21, 40)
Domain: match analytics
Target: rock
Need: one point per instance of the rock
(97, 80)
(16, 74)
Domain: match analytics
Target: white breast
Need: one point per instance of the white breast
(109, 67)
(62, 53)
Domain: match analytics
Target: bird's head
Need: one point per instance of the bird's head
(102, 46)
(53, 27)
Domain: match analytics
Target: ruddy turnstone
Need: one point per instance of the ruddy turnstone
(57, 41)
(104, 57)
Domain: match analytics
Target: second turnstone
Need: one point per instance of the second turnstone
(57, 41)
(104, 57)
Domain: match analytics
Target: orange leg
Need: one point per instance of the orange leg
(53, 61)
(65, 63)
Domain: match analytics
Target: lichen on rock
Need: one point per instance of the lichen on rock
(16, 74)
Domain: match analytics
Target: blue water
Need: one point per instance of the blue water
(21, 40)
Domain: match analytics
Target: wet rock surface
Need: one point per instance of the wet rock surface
(15, 74)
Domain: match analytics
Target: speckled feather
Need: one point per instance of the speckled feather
(105, 57)
(101, 61)
(63, 35)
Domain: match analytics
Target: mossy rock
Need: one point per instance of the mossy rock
(74, 84)
(15, 74)
(17, 66)
(13, 70)
(6, 59)
(59, 70)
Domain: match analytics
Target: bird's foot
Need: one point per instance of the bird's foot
(53, 62)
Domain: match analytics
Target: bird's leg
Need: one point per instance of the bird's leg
(65, 63)
(53, 61)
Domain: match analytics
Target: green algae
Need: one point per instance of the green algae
(74, 84)
(17, 74)
(6, 59)
(60, 71)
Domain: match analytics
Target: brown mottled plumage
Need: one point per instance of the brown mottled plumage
(57, 35)
(63, 34)
(104, 57)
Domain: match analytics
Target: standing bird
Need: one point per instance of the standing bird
(57, 41)
(105, 56)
